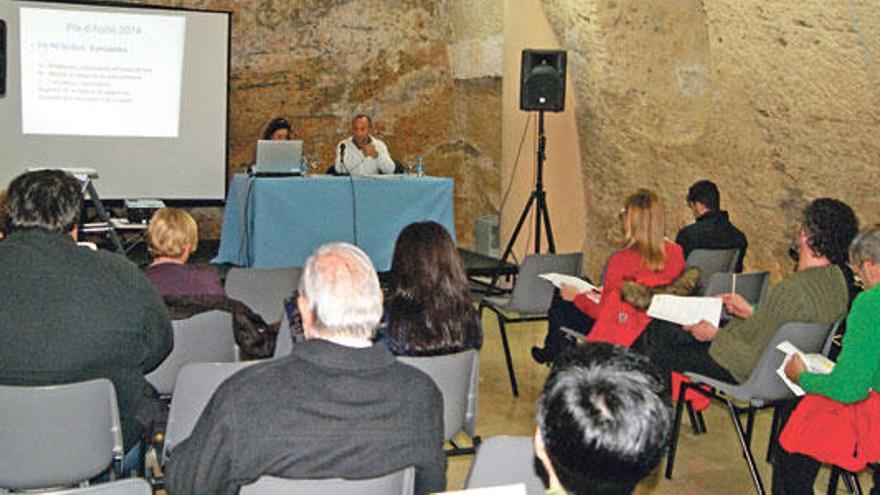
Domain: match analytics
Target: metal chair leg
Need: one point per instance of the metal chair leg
(750, 425)
(676, 427)
(692, 416)
(510, 373)
(774, 434)
(744, 444)
(702, 422)
(832, 480)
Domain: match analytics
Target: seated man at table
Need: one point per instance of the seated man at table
(337, 407)
(361, 153)
(815, 293)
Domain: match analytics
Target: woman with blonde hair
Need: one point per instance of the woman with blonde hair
(173, 236)
(647, 259)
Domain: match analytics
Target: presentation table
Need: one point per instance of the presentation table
(278, 222)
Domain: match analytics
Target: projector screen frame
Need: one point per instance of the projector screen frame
(183, 202)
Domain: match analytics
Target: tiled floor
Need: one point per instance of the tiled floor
(710, 463)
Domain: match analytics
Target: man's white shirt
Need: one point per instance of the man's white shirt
(355, 162)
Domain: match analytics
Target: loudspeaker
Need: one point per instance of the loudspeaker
(2, 57)
(542, 81)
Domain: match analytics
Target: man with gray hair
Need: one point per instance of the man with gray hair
(337, 407)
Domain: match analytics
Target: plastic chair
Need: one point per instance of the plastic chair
(196, 384)
(400, 482)
(763, 389)
(711, 261)
(130, 486)
(204, 338)
(456, 375)
(531, 296)
(505, 460)
(263, 289)
(58, 435)
(752, 286)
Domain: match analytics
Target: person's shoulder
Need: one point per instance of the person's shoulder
(673, 248)
(253, 381)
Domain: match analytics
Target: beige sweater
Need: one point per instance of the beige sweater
(814, 295)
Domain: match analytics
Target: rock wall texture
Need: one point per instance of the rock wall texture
(319, 62)
(777, 102)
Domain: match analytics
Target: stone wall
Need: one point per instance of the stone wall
(777, 102)
(319, 62)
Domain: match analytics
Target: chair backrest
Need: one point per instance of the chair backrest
(531, 293)
(130, 486)
(195, 385)
(764, 385)
(711, 261)
(57, 435)
(400, 482)
(205, 338)
(752, 286)
(456, 377)
(829, 341)
(263, 289)
(505, 460)
(283, 341)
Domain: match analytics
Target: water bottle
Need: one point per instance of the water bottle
(420, 167)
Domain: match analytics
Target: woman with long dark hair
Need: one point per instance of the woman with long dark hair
(428, 310)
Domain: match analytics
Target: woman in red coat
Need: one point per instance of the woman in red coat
(647, 258)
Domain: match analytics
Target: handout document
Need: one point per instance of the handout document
(686, 310)
(816, 363)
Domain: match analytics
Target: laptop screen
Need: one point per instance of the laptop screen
(278, 156)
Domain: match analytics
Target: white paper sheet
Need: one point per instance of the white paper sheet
(686, 310)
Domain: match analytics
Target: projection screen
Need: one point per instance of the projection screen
(139, 94)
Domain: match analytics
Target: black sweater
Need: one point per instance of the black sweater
(70, 314)
(325, 411)
(713, 230)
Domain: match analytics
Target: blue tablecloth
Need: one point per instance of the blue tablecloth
(278, 222)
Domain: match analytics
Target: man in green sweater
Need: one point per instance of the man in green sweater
(856, 373)
(815, 293)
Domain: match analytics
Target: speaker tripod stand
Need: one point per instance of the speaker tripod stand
(538, 199)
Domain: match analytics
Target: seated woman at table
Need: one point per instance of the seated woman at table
(647, 258)
(428, 310)
(278, 129)
(173, 236)
(838, 421)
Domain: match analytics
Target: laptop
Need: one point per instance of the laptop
(278, 158)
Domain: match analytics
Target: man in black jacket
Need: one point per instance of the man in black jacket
(70, 314)
(712, 229)
(336, 407)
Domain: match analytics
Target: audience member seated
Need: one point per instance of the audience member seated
(646, 259)
(173, 236)
(71, 314)
(338, 406)
(278, 129)
(836, 422)
(428, 310)
(712, 228)
(603, 421)
(815, 293)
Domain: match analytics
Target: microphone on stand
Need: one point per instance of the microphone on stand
(342, 158)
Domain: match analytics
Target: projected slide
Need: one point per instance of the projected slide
(100, 74)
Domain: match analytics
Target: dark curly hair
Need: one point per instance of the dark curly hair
(831, 226)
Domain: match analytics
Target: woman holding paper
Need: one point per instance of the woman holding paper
(647, 258)
(838, 421)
